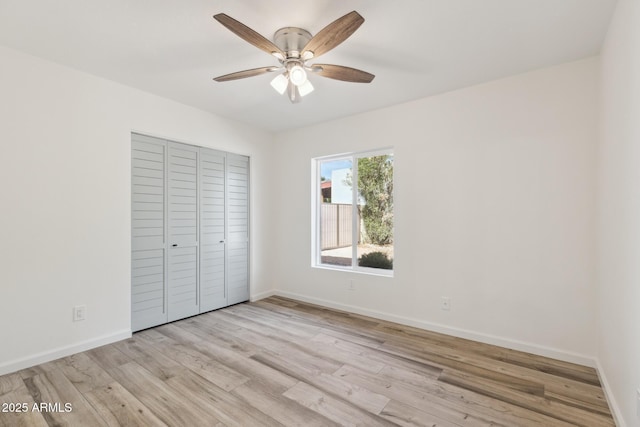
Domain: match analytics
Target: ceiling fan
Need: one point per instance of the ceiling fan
(294, 47)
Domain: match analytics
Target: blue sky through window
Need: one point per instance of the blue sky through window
(327, 167)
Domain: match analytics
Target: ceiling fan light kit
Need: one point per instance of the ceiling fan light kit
(297, 75)
(280, 83)
(293, 47)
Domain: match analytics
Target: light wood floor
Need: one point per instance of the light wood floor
(281, 362)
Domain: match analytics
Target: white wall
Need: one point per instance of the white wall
(65, 219)
(494, 208)
(619, 212)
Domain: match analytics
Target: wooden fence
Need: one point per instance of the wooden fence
(336, 225)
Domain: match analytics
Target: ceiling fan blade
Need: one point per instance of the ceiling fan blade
(333, 34)
(246, 73)
(339, 72)
(248, 34)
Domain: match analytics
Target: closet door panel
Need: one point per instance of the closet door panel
(212, 230)
(182, 187)
(237, 228)
(148, 291)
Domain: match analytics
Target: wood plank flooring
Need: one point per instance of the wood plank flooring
(279, 362)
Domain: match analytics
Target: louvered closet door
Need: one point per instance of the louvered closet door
(213, 292)
(237, 228)
(148, 293)
(182, 186)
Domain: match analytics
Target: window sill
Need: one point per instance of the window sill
(360, 270)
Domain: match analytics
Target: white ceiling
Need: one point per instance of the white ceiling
(416, 48)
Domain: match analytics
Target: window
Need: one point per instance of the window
(353, 212)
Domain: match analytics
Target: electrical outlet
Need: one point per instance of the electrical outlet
(79, 313)
(445, 303)
(352, 285)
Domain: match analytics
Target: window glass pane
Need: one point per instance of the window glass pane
(336, 212)
(375, 210)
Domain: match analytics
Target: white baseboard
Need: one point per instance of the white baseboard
(457, 332)
(48, 356)
(613, 404)
(261, 295)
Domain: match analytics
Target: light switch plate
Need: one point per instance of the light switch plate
(79, 313)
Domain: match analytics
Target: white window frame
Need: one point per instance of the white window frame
(316, 197)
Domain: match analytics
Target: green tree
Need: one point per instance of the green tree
(375, 186)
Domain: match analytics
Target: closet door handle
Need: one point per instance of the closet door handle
(174, 245)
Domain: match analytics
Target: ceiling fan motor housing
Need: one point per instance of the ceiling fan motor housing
(291, 40)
